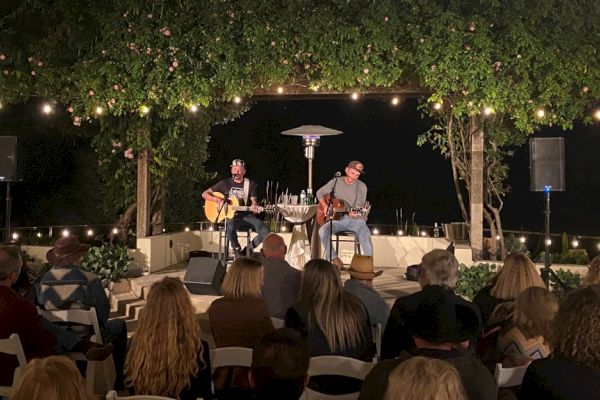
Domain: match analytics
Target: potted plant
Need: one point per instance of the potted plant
(109, 262)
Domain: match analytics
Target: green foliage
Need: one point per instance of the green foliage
(571, 281)
(514, 245)
(109, 262)
(473, 279)
(572, 256)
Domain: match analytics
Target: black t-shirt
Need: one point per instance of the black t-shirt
(230, 189)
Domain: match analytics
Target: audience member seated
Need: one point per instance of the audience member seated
(516, 274)
(360, 284)
(593, 273)
(240, 318)
(19, 316)
(51, 378)
(441, 326)
(332, 320)
(282, 281)
(573, 369)
(438, 268)
(167, 357)
(66, 286)
(423, 378)
(280, 366)
(524, 338)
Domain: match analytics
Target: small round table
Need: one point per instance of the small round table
(298, 215)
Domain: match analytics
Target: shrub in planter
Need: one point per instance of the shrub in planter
(570, 279)
(109, 262)
(473, 279)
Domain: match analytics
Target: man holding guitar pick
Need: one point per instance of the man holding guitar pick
(235, 199)
(343, 207)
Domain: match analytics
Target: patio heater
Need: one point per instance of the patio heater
(311, 136)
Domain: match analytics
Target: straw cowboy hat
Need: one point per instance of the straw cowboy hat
(443, 317)
(66, 250)
(362, 267)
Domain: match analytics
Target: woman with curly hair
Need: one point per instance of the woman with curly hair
(516, 274)
(331, 319)
(167, 357)
(573, 369)
(593, 273)
(239, 318)
(50, 378)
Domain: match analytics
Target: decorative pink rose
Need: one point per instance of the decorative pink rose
(175, 64)
(40, 64)
(273, 43)
(128, 153)
(171, 69)
(32, 73)
(91, 93)
(386, 19)
(2, 57)
(585, 89)
(70, 109)
(30, 59)
(167, 32)
(366, 70)
(116, 87)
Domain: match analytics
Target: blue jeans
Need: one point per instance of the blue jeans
(249, 218)
(356, 225)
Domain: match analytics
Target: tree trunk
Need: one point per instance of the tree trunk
(455, 176)
(476, 188)
(158, 210)
(143, 184)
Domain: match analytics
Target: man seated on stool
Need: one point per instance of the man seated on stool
(281, 283)
(354, 194)
(360, 284)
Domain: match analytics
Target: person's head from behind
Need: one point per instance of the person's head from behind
(575, 333)
(280, 365)
(534, 310)
(517, 274)
(167, 332)
(320, 280)
(273, 246)
(593, 272)
(244, 278)
(422, 378)
(10, 264)
(51, 378)
(439, 268)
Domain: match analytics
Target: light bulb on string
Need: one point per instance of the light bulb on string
(354, 96)
(280, 90)
(522, 239)
(395, 101)
(193, 108)
(237, 99)
(66, 233)
(46, 108)
(437, 106)
(90, 232)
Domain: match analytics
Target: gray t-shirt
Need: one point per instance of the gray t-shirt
(354, 195)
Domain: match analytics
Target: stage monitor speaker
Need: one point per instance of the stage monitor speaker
(10, 169)
(547, 164)
(204, 276)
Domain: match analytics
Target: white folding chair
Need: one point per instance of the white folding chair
(112, 395)
(376, 335)
(230, 357)
(87, 318)
(277, 322)
(339, 366)
(12, 345)
(509, 377)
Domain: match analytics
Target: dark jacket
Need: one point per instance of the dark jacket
(280, 286)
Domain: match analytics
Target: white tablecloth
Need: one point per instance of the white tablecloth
(299, 249)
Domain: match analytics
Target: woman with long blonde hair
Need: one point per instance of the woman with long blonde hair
(51, 378)
(333, 321)
(167, 356)
(593, 273)
(516, 274)
(239, 318)
(423, 378)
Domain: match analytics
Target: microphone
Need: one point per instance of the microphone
(337, 174)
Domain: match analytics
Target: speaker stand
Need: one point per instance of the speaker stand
(547, 271)
(7, 237)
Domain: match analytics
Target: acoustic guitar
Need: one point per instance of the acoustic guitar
(217, 213)
(337, 209)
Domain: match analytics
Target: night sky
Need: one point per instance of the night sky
(400, 175)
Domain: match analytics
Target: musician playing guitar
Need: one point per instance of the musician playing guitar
(353, 194)
(244, 190)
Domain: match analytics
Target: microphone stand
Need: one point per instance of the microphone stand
(330, 208)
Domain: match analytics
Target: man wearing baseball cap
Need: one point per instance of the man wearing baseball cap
(353, 193)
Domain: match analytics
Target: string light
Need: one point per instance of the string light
(46, 108)
(375, 231)
(437, 106)
(280, 90)
(423, 233)
(488, 111)
(115, 231)
(39, 234)
(90, 232)
(187, 229)
(400, 232)
(354, 96)
(193, 108)
(540, 113)
(283, 228)
(597, 115)
(211, 228)
(66, 232)
(15, 236)
(575, 242)
(99, 110)
(144, 109)
(548, 242)
(395, 101)
(237, 99)
(522, 239)
(497, 237)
